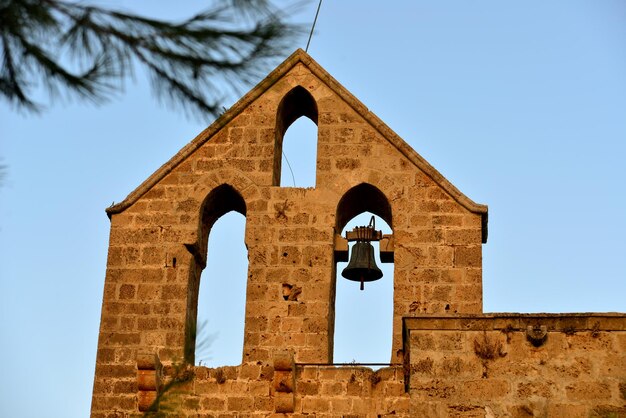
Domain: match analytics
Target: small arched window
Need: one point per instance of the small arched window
(363, 319)
(220, 282)
(295, 150)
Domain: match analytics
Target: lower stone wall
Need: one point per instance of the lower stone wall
(513, 365)
(351, 392)
(487, 366)
(281, 389)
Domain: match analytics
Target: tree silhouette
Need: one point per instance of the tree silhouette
(85, 51)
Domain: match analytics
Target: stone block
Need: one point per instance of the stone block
(250, 371)
(450, 341)
(588, 390)
(145, 399)
(422, 366)
(283, 361)
(488, 389)
(127, 291)
(468, 256)
(315, 405)
(567, 410)
(462, 236)
(307, 388)
(146, 380)
(213, 403)
(608, 411)
(536, 388)
(283, 382)
(433, 389)
(340, 405)
(240, 403)
(264, 403)
(333, 389)
(468, 410)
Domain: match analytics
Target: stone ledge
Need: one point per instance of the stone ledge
(559, 322)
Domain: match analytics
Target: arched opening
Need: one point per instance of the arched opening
(295, 148)
(220, 280)
(363, 319)
(222, 294)
(299, 154)
(359, 199)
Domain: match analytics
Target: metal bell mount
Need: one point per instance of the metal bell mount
(362, 265)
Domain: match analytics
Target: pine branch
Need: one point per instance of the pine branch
(194, 64)
(11, 84)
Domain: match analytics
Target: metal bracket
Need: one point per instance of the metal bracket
(365, 233)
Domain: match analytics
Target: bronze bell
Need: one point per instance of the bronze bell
(362, 266)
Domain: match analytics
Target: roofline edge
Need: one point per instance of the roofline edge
(301, 56)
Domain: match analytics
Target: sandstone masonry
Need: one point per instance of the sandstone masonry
(447, 359)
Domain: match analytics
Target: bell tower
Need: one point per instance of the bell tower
(158, 247)
(159, 232)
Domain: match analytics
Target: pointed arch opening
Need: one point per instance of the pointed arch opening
(363, 319)
(363, 198)
(295, 147)
(219, 280)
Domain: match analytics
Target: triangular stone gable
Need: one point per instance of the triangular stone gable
(362, 165)
(299, 57)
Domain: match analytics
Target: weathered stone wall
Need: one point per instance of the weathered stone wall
(159, 234)
(480, 365)
(493, 365)
(486, 366)
(324, 391)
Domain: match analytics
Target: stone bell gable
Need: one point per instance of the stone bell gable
(158, 248)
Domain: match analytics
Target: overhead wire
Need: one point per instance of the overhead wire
(319, 5)
(293, 178)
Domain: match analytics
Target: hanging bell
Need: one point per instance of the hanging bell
(362, 266)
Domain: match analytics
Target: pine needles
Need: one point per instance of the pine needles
(76, 50)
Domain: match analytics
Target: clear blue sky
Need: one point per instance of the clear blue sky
(521, 105)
